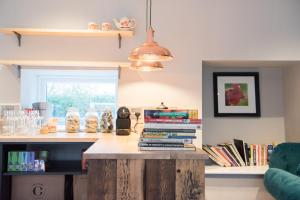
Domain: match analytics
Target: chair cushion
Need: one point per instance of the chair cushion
(286, 156)
(298, 170)
(282, 184)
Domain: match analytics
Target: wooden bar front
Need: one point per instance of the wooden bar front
(146, 179)
(119, 171)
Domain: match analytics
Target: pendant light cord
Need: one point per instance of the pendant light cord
(148, 14)
(147, 11)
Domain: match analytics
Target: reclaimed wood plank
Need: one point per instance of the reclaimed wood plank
(160, 179)
(80, 187)
(130, 178)
(102, 180)
(190, 180)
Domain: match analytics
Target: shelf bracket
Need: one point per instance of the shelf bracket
(120, 40)
(19, 37)
(18, 69)
(119, 72)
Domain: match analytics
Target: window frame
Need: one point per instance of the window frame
(43, 76)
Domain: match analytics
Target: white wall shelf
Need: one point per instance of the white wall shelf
(20, 32)
(64, 63)
(249, 170)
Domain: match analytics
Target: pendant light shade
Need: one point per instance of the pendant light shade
(150, 51)
(150, 54)
(146, 66)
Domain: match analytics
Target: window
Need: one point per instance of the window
(70, 88)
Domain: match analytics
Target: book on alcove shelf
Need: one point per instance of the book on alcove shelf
(239, 154)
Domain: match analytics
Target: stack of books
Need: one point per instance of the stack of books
(169, 130)
(239, 154)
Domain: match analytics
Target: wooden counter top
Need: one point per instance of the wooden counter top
(106, 146)
(54, 137)
(110, 146)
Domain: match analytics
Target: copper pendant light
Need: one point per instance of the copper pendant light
(146, 66)
(149, 55)
(150, 50)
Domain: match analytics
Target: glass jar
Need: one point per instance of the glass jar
(106, 123)
(72, 120)
(91, 121)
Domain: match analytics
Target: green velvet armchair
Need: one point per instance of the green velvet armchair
(282, 180)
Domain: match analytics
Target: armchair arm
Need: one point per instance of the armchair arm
(282, 185)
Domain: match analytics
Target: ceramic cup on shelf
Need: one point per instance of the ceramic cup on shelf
(106, 26)
(93, 26)
(125, 23)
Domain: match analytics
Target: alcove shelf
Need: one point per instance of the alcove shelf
(248, 170)
(20, 32)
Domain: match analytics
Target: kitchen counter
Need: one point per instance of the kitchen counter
(52, 137)
(106, 145)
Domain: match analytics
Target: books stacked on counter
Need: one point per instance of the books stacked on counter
(169, 130)
(239, 154)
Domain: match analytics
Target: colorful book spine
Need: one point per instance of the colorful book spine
(171, 126)
(251, 155)
(208, 149)
(230, 156)
(216, 160)
(247, 153)
(254, 155)
(265, 155)
(169, 136)
(227, 154)
(237, 154)
(213, 156)
(167, 148)
(270, 150)
(160, 145)
(259, 155)
(217, 151)
(171, 114)
(223, 153)
(156, 130)
(159, 140)
(173, 121)
(262, 157)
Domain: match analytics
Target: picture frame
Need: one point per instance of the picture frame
(236, 94)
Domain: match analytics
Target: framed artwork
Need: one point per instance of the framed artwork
(236, 94)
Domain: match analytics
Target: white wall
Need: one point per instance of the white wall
(9, 85)
(194, 30)
(291, 103)
(245, 187)
(259, 130)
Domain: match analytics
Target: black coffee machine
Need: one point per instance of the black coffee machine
(123, 123)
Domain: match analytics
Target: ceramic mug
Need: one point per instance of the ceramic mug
(106, 26)
(127, 23)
